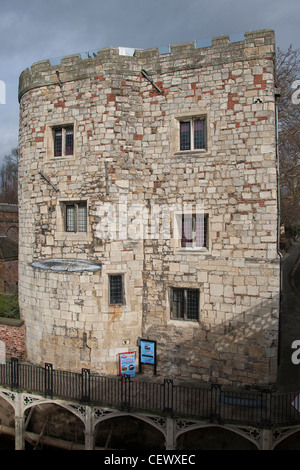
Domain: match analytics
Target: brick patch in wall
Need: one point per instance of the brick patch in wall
(12, 334)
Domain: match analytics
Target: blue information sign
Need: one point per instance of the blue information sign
(147, 352)
(127, 363)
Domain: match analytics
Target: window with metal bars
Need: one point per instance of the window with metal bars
(185, 304)
(63, 139)
(194, 230)
(75, 216)
(192, 134)
(116, 294)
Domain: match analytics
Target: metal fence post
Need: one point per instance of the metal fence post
(85, 385)
(215, 403)
(14, 371)
(168, 396)
(125, 392)
(265, 400)
(48, 379)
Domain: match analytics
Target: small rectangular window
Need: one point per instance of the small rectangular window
(194, 228)
(63, 138)
(192, 134)
(75, 216)
(185, 304)
(116, 296)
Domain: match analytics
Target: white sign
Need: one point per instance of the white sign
(296, 94)
(296, 402)
(2, 92)
(2, 352)
(296, 355)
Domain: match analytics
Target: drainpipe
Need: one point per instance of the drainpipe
(277, 95)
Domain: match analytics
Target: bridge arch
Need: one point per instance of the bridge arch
(76, 409)
(147, 425)
(285, 439)
(26, 401)
(7, 409)
(57, 422)
(196, 434)
(155, 421)
(10, 397)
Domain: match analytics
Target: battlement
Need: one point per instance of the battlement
(179, 56)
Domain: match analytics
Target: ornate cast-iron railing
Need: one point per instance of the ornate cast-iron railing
(212, 403)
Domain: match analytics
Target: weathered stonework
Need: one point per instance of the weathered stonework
(126, 134)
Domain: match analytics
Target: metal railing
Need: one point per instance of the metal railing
(211, 403)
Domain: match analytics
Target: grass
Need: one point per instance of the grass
(9, 304)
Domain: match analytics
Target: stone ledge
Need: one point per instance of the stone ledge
(11, 321)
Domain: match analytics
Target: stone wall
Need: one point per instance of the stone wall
(12, 335)
(127, 159)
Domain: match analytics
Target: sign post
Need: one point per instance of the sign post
(147, 353)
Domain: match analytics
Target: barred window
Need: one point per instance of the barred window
(194, 230)
(63, 140)
(116, 295)
(185, 304)
(192, 134)
(75, 216)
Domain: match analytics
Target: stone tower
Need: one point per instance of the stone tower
(148, 208)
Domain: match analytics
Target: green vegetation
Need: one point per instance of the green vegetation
(9, 304)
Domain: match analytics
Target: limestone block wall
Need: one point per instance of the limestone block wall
(234, 181)
(128, 168)
(69, 319)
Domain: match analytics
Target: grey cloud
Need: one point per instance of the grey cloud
(34, 30)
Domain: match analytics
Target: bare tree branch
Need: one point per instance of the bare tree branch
(9, 178)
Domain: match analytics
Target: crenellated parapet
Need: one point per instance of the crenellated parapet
(186, 55)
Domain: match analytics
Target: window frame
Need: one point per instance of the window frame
(178, 231)
(121, 293)
(191, 120)
(64, 128)
(184, 304)
(195, 218)
(76, 205)
(52, 128)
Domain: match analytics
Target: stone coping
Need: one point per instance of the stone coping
(11, 321)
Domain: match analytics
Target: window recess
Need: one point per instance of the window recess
(185, 304)
(194, 230)
(192, 134)
(63, 140)
(75, 216)
(116, 289)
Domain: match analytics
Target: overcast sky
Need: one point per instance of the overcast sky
(33, 30)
